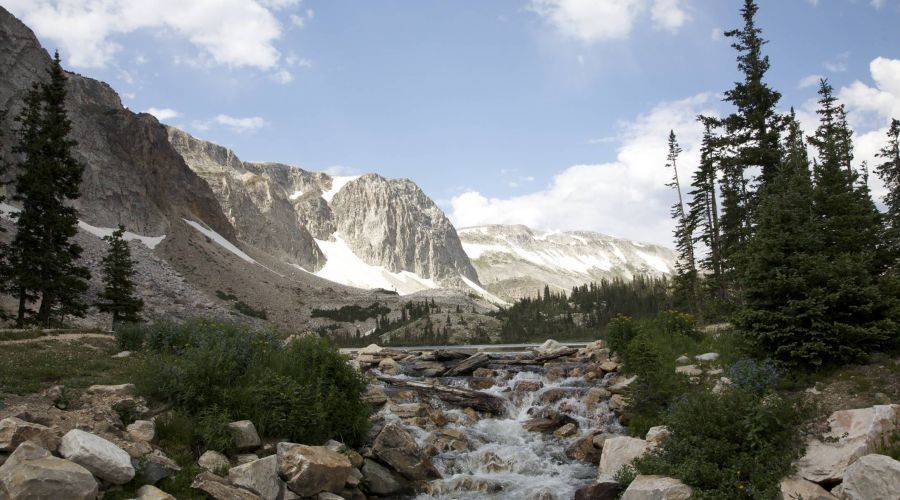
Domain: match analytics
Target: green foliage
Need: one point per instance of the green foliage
(247, 310)
(118, 296)
(211, 428)
(304, 391)
(738, 444)
(226, 296)
(621, 330)
(130, 337)
(352, 313)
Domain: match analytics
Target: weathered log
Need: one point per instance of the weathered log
(479, 401)
(568, 351)
(468, 365)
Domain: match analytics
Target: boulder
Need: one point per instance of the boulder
(375, 395)
(155, 467)
(371, 349)
(549, 346)
(657, 488)
(245, 458)
(260, 477)
(609, 366)
(683, 360)
(142, 430)
(707, 357)
(220, 489)
(584, 448)
(617, 402)
(356, 460)
(872, 476)
(594, 396)
(112, 390)
(656, 434)
(795, 487)
(852, 434)
(389, 366)
(396, 447)
(15, 431)
(523, 386)
(213, 461)
(621, 383)
(604, 490)
(380, 480)
(244, 434)
(567, 430)
(31, 472)
(483, 373)
(150, 492)
(618, 452)
(123, 354)
(104, 459)
(309, 470)
(689, 370)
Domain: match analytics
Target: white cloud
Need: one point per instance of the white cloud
(240, 125)
(163, 114)
(716, 34)
(626, 197)
(838, 64)
(868, 105)
(595, 20)
(808, 81)
(283, 76)
(229, 32)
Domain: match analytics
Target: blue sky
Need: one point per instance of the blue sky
(551, 113)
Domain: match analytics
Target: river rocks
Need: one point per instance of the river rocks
(483, 373)
(480, 384)
(15, 431)
(31, 472)
(220, 489)
(112, 390)
(549, 346)
(259, 476)
(617, 402)
(389, 366)
(371, 349)
(380, 480)
(655, 435)
(872, 476)
(397, 448)
(101, 457)
(556, 393)
(621, 383)
(795, 487)
(308, 470)
(567, 430)
(150, 492)
(356, 460)
(213, 461)
(619, 451)
(375, 395)
(657, 488)
(853, 433)
(594, 396)
(142, 430)
(603, 490)
(548, 422)
(448, 439)
(409, 410)
(244, 434)
(524, 386)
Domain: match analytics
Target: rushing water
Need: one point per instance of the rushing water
(503, 460)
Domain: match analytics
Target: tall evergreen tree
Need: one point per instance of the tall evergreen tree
(704, 207)
(42, 255)
(686, 268)
(118, 296)
(889, 172)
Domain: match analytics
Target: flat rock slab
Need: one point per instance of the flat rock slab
(657, 488)
(872, 476)
(618, 452)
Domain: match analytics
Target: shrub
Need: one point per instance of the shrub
(211, 428)
(621, 330)
(214, 373)
(675, 323)
(755, 375)
(738, 444)
(248, 310)
(129, 336)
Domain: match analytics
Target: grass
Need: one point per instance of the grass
(20, 334)
(29, 368)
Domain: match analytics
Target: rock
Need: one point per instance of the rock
(244, 434)
(657, 488)
(112, 390)
(549, 346)
(621, 383)
(150, 492)
(389, 366)
(853, 434)
(31, 472)
(683, 360)
(245, 458)
(523, 386)
(566, 430)
(260, 477)
(155, 467)
(656, 434)
(356, 460)
(617, 452)
(104, 459)
(721, 384)
(409, 410)
(397, 448)
(617, 402)
(609, 366)
(872, 476)
(795, 487)
(481, 383)
(123, 354)
(554, 394)
(469, 365)
(707, 357)
(689, 370)
(548, 423)
(328, 496)
(604, 490)
(220, 489)
(483, 373)
(594, 396)
(585, 450)
(142, 430)
(214, 461)
(371, 349)
(15, 431)
(375, 395)
(309, 470)
(380, 480)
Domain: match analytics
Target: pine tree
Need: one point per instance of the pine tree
(704, 208)
(889, 172)
(118, 296)
(686, 271)
(42, 257)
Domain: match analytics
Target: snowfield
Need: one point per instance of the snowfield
(337, 183)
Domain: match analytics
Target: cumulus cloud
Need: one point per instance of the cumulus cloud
(240, 125)
(625, 197)
(595, 20)
(234, 33)
(163, 114)
(809, 81)
(881, 101)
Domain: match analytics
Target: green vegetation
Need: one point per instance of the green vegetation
(247, 310)
(118, 296)
(215, 373)
(352, 313)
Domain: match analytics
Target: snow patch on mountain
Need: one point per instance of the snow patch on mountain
(221, 241)
(345, 267)
(338, 182)
(482, 292)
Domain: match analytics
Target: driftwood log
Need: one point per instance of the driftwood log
(479, 401)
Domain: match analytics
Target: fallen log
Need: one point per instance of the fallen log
(468, 365)
(557, 354)
(478, 401)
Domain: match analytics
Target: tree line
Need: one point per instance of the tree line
(40, 267)
(790, 245)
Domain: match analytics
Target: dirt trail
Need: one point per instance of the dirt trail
(65, 337)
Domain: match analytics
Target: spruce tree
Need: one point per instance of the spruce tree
(889, 172)
(704, 208)
(118, 296)
(686, 270)
(42, 256)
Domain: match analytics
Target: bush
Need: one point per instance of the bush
(621, 330)
(738, 444)
(754, 375)
(130, 336)
(215, 373)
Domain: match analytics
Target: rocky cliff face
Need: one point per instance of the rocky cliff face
(133, 175)
(516, 261)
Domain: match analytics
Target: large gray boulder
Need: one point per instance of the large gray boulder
(150, 492)
(380, 480)
(309, 470)
(15, 431)
(244, 434)
(657, 488)
(104, 459)
(872, 476)
(618, 452)
(259, 476)
(220, 489)
(32, 473)
(396, 447)
(795, 487)
(213, 461)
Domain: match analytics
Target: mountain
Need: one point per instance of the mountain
(515, 261)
